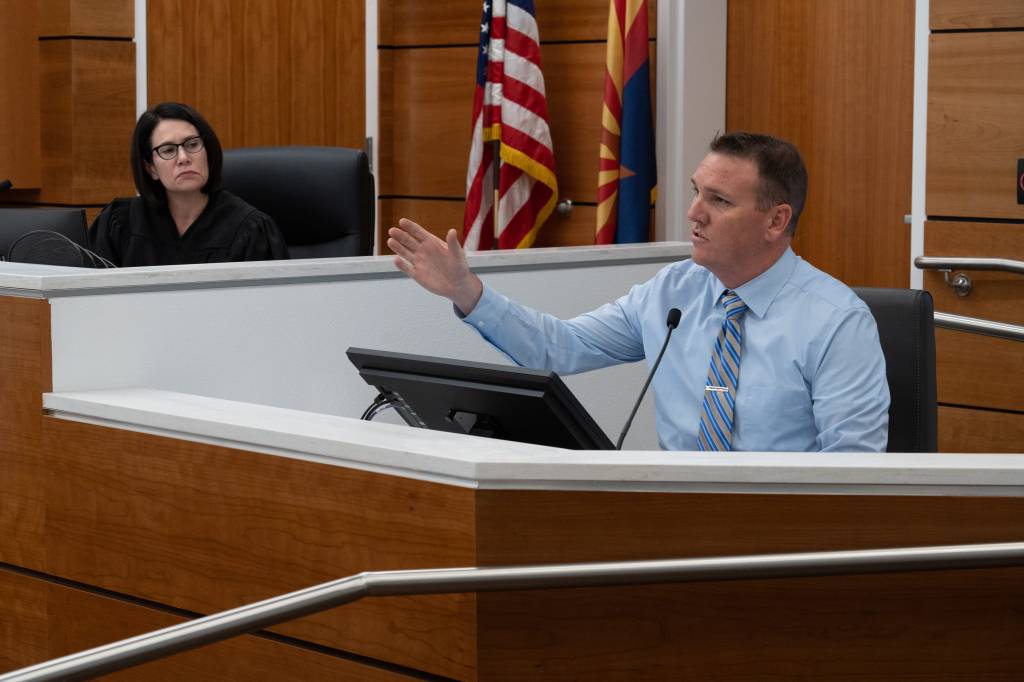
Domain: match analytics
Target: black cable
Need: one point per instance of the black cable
(368, 413)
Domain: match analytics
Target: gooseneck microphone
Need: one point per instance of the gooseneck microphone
(672, 322)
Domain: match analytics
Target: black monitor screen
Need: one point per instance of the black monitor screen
(481, 399)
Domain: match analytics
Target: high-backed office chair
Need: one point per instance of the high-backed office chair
(322, 198)
(906, 327)
(17, 224)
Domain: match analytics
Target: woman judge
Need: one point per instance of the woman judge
(182, 215)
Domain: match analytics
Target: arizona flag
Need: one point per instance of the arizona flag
(627, 177)
(509, 107)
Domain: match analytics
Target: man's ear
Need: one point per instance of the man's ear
(779, 226)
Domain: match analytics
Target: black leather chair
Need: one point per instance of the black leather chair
(16, 223)
(322, 198)
(906, 327)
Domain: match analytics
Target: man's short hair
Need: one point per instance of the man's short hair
(779, 166)
(142, 149)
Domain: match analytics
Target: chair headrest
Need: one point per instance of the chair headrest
(314, 194)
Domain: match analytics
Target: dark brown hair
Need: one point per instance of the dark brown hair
(779, 166)
(142, 149)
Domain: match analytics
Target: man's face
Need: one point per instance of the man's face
(732, 237)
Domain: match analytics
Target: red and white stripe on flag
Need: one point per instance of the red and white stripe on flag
(510, 106)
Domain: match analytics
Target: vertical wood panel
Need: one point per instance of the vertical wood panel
(975, 136)
(20, 151)
(836, 78)
(271, 72)
(25, 370)
(961, 14)
(982, 371)
(92, 18)
(966, 430)
(88, 112)
(23, 625)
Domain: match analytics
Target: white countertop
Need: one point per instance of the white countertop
(487, 463)
(47, 281)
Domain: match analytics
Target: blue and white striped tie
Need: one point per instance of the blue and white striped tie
(716, 419)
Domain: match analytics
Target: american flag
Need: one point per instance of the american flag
(509, 106)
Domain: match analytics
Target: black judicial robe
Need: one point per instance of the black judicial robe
(131, 232)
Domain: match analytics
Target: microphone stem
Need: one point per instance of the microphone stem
(643, 391)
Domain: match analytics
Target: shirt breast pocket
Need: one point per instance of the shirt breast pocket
(775, 399)
(769, 417)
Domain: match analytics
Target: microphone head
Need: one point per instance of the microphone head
(47, 247)
(673, 318)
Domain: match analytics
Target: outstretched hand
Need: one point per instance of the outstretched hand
(439, 266)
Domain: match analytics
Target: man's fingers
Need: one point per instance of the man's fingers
(401, 250)
(414, 229)
(453, 243)
(402, 237)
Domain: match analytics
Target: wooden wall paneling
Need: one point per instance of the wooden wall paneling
(57, 115)
(976, 370)
(835, 78)
(25, 371)
(955, 625)
(23, 627)
(44, 620)
(91, 18)
(963, 14)
(431, 101)
(935, 625)
(430, 96)
(267, 73)
(996, 295)
(413, 22)
(88, 113)
(526, 526)
(20, 149)
(439, 216)
(966, 430)
(975, 100)
(207, 528)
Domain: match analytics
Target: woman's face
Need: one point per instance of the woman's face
(186, 171)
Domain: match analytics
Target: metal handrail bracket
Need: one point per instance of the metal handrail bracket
(214, 628)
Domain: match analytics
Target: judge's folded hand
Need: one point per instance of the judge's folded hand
(439, 266)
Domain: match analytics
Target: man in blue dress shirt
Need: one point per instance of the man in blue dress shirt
(811, 372)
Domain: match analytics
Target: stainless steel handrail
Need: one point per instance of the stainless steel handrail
(161, 643)
(961, 283)
(952, 263)
(1002, 330)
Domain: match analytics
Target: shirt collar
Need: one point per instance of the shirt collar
(759, 292)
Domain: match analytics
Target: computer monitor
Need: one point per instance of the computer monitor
(481, 399)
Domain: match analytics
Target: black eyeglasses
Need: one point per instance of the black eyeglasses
(169, 150)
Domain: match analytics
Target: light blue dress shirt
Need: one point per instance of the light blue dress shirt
(812, 377)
